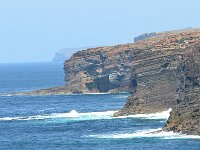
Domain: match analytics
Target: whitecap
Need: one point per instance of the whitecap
(6, 95)
(72, 115)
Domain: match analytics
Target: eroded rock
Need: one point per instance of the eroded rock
(185, 117)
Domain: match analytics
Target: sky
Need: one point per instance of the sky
(33, 30)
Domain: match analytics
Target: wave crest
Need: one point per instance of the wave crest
(72, 115)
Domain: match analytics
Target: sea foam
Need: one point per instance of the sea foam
(6, 95)
(149, 133)
(74, 115)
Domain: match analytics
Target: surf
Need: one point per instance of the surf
(72, 115)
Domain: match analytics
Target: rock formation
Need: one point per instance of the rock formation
(59, 90)
(185, 117)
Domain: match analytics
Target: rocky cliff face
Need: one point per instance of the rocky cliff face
(156, 75)
(99, 70)
(147, 68)
(185, 117)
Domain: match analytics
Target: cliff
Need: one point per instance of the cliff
(155, 78)
(147, 66)
(99, 70)
(185, 117)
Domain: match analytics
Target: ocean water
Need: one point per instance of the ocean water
(74, 122)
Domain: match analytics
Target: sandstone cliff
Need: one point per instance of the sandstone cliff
(185, 117)
(147, 67)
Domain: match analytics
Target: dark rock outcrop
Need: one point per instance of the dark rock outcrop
(185, 117)
(60, 90)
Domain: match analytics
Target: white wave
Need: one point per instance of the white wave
(159, 115)
(72, 115)
(150, 133)
(89, 94)
(6, 95)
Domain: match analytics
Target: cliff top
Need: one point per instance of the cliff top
(162, 40)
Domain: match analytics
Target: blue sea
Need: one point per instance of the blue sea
(74, 122)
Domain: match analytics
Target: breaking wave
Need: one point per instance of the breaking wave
(74, 115)
(150, 133)
(6, 95)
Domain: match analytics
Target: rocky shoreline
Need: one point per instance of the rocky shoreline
(150, 68)
(60, 90)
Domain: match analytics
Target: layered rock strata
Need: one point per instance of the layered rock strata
(110, 69)
(185, 117)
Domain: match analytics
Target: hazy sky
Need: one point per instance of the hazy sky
(33, 30)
